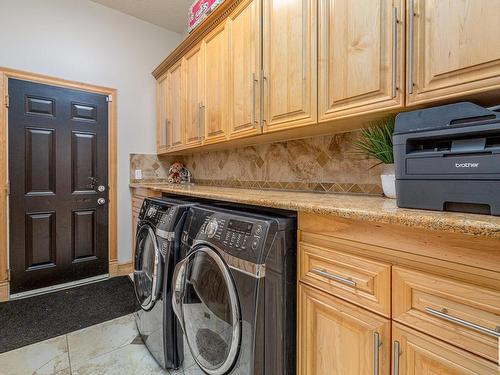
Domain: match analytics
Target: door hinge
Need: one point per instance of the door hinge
(7, 188)
(7, 101)
(109, 98)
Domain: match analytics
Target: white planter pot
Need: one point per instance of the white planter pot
(388, 178)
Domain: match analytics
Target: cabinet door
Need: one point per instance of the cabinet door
(175, 116)
(161, 114)
(193, 73)
(289, 63)
(244, 69)
(360, 57)
(415, 353)
(337, 338)
(216, 87)
(453, 48)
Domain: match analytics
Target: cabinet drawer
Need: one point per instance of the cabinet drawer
(419, 354)
(362, 281)
(463, 314)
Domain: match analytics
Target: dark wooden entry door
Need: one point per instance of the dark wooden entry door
(58, 157)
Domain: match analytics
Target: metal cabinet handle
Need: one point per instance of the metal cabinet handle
(199, 121)
(262, 101)
(462, 322)
(395, 354)
(394, 50)
(202, 117)
(332, 276)
(411, 26)
(376, 348)
(254, 81)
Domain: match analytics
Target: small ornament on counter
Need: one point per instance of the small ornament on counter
(178, 174)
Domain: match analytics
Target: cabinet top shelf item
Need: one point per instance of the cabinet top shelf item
(190, 41)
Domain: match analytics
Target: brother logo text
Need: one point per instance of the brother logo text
(466, 165)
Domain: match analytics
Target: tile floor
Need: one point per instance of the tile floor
(110, 348)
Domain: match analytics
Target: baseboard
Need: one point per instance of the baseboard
(120, 269)
(4, 291)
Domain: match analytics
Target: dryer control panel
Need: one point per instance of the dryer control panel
(239, 236)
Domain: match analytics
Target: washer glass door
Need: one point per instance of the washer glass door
(147, 268)
(206, 302)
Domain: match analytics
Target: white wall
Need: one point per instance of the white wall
(84, 41)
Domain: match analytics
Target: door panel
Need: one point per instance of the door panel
(422, 354)
(244, 69)
(58, 154)
(290, 61)
(358, 71)
(451, 52)
(193, 80)
(328, 330)
(84, 159)
(175, 115)
(216, 88)
(40, 161)
(162, 141)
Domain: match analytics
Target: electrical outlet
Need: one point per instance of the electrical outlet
(138, 174)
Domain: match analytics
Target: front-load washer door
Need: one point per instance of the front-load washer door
(206, 303)
(148, 270)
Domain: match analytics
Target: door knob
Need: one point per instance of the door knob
(101, 201)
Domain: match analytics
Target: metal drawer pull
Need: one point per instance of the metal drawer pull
(411, 17)
(395, 356)
(462, 322)
(394, 51)
(376, 345)
(254, 81)
(331, 276)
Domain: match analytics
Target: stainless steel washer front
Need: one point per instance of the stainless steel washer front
(206, 303)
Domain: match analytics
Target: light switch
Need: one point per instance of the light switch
(138, 174)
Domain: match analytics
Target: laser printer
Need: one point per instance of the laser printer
(448, 158)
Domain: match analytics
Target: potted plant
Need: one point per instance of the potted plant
(376, 142)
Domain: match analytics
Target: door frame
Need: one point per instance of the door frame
(5, 74)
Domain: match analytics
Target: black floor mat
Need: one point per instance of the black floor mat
(38, 318)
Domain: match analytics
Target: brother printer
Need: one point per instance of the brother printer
(448, 158)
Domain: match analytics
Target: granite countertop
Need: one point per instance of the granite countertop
(372, 208)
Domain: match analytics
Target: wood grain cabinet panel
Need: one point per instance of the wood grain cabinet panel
(361, 57)
(175, 110)
(215, 110)
(244, 69)
(446, 309)
(359, 280)
(453, 48)
(193, 95)
(421, 354)
(337, 338)
(161, 114)
(289, 63)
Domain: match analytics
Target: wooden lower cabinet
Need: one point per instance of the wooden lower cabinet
(338, 338)
(421, 354)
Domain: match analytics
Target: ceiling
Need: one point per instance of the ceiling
(169, 14)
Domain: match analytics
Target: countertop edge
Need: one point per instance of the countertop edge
(430, 220)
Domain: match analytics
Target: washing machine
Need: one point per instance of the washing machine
(234, 291)
(157, 250)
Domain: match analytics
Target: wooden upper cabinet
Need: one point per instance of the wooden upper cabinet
(244, 69)
(337, 338)
(175, 113)
(193, 85)
(215, 108)
(161, 114)
(421, 354)
(453, 48)
(361, 57)
(289, 63)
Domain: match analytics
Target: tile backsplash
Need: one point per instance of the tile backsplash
(326, 163)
